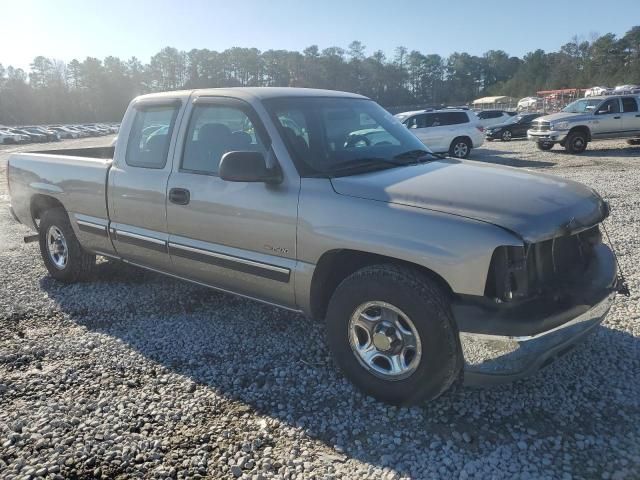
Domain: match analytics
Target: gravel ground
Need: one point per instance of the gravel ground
(136, 375)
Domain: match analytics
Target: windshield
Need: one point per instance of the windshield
(583, 105)
(330, 135)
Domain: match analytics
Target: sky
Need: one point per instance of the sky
(68, 29)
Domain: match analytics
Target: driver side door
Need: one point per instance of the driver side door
(427, 128)
(608, 119)
(236, 236)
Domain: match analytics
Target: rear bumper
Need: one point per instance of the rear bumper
(506, 342)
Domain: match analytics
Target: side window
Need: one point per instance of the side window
(213, 131)
(420, 121)
(454, 118)
(629, 104)
(150, 136)
(482, 115)
(610, 106)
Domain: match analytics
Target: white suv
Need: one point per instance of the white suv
(454, 131)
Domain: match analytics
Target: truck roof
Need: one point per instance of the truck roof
(259, 93)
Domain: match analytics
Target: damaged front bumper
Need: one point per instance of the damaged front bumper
(502, 343)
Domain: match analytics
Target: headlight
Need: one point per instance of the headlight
(508, 279)
(560, 126)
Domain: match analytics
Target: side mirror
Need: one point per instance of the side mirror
(247, 166)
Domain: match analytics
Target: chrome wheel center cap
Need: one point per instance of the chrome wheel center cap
(385, 338)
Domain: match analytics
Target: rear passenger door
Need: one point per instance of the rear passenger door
(237, 236)
(138, 184)
(630, 116)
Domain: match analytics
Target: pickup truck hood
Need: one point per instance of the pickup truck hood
(534, 206)
(556, 117)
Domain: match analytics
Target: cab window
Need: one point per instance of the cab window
(610, 106)
(213, 131)
(629, 104)
(150, 136)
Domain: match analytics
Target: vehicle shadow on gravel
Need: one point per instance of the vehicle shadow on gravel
(630, 152)
(507, 157)
(276, 363)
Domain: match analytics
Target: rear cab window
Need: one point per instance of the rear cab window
(150, 136)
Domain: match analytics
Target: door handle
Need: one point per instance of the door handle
(179, 196)
(618, 117)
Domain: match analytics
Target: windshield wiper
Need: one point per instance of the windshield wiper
(420, 156)
(374, 163)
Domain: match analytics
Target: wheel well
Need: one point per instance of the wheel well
(336, 265)
(465, 137)
(582, 129)
(40, 203)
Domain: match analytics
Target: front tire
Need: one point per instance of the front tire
(392, 333)
(63, 255)
(460, 147)
(506, 136)
(576, 142)
(545, 146)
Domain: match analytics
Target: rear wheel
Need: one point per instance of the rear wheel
(392, 333)
(544, 145)
(63, 255)
(633, 141)
(460, 147)
(576, 142)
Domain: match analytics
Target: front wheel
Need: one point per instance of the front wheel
(544, 145)
(506, 136)
(63, 255)
(392, 333)
(576, 142)
(460, 148)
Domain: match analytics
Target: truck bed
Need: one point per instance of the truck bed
(105, 153)
(75, 178)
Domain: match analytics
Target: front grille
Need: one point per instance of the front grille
(560, 260)
(518, 273)
(541, 126)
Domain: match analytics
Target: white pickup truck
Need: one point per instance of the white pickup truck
(425, 269)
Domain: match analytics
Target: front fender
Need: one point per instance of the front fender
(456, 248)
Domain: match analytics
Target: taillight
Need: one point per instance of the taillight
(481, 129)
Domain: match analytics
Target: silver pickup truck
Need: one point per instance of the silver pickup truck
(589, 119)
(425, 269)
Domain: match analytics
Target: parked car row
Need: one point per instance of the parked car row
(54, 133)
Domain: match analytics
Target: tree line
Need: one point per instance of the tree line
(99, 90)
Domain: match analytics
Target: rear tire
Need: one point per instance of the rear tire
(576, 142)
(460, 147)
(417, 309)
(63, 255)
(633, 141)
(545, 146)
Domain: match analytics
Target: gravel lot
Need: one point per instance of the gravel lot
(136, 375)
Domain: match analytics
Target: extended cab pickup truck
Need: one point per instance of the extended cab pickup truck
(589, 119)
(425, 269)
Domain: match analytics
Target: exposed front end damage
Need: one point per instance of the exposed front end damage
(540, 300)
